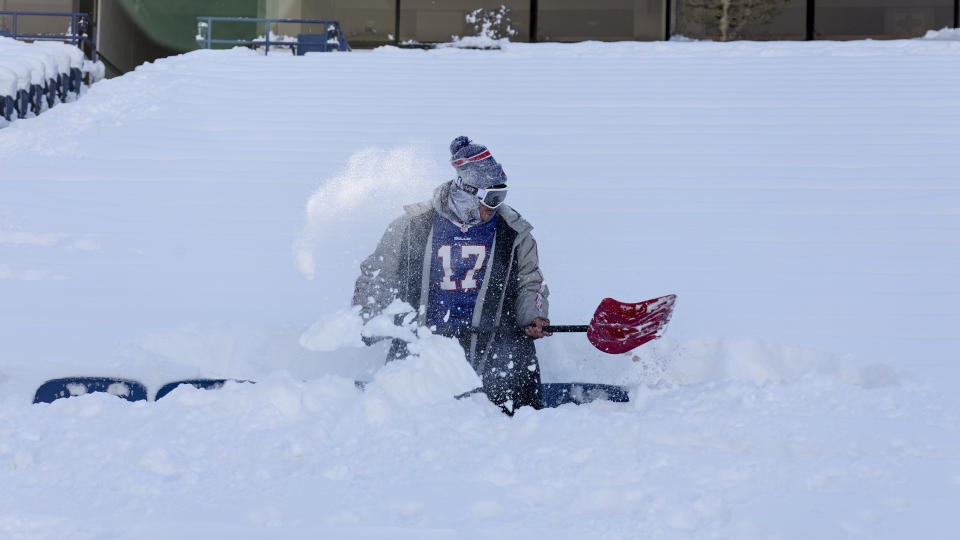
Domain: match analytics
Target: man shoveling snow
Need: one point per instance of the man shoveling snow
(469, 266)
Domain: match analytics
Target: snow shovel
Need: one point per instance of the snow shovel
(618, 327)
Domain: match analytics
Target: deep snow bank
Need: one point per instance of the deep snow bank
(709, 459)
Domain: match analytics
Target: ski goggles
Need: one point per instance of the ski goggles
(491, 197)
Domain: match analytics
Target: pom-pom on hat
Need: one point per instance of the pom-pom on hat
(474, 164)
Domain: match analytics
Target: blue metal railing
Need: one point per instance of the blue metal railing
(331, 31)
(82, 29)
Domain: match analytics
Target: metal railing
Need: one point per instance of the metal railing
(331, 29)
(82, 29)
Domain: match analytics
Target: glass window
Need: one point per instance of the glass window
(856, 19)
(602, 20)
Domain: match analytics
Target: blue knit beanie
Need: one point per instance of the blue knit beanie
(475, 164)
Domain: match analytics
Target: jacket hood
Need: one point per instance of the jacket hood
(439, 203)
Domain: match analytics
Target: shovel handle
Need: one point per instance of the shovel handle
(566, 328)
(546, 328)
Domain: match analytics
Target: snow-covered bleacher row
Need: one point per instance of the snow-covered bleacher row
(36, 76)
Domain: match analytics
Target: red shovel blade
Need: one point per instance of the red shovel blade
(618, 327)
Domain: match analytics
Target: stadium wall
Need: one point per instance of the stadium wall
(131, 32)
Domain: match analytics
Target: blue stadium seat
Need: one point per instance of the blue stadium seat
(63, 86)
(556, 394)
(55, 389)
(76, 80)
(51, 92)
(7, 108)
(36, 98)
(311, 43)
(202, 384)
(23, 103)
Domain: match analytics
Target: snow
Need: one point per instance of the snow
(946, 34)
(198, 216)
(45, 60)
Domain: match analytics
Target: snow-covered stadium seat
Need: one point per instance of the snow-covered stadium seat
(21, 72)
(60, 65)
(55, 389)
(39, 67)
(69, 61)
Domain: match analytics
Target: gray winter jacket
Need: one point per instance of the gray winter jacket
(513, 292)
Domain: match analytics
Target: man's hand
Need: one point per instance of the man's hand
(535, 330)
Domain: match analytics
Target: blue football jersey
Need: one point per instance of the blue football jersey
(456, 271)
